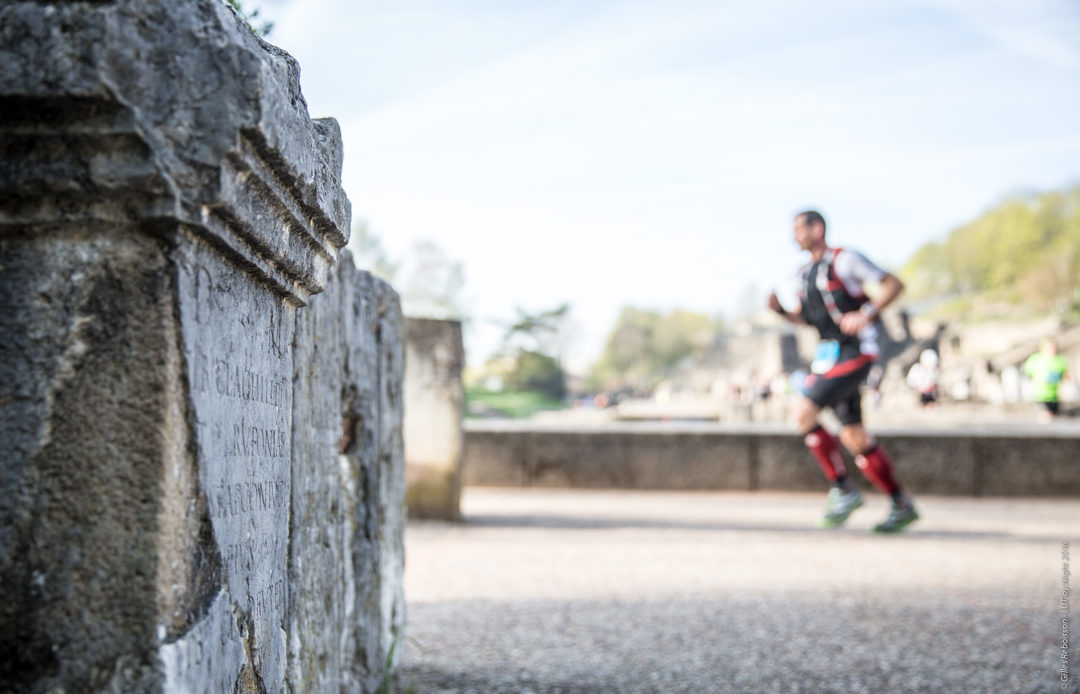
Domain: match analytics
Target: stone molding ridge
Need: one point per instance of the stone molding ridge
(126, 113)
(264, 225)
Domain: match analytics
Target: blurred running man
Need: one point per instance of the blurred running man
(831, 298)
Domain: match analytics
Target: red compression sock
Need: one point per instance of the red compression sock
(825, 450)
(878, 468)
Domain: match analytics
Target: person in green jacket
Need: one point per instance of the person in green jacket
(1047, 369)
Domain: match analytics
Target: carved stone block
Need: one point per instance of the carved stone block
(166, 208)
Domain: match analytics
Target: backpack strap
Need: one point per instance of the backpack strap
(826, 283)
(838, 284)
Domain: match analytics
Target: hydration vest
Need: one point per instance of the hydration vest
(825, 299)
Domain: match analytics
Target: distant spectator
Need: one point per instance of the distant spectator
(1047, 369)
(780, 385)
(924, 377)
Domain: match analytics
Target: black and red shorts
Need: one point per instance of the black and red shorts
(838, 388)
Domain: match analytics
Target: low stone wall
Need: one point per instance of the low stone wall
(992, 462)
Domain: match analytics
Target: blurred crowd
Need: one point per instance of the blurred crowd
(995, 376)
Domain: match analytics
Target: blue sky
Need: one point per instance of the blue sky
(652, 153)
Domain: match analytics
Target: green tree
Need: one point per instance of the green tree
(628, 355)
(542, 332)
(534, 342)
(928, 272)
(1025, 251)
(681, 334)
(537, 373)
(646, 346)
(1053, 283)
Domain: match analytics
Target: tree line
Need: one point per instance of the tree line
(1023, 253)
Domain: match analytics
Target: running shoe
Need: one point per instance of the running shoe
(899, 518)
(841, 504)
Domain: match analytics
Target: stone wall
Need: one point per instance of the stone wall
(991, 462)
(346, 534)
(196, 494)
(434, 439)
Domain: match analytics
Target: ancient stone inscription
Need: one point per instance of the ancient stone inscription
(229, 379)
(228, 501)
(240, 383)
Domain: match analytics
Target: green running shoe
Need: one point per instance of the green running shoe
(899, 518)
(841, 504)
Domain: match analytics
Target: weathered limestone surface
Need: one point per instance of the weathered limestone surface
(88, 347)
(166, 205)
(434, 439)
(346, 552)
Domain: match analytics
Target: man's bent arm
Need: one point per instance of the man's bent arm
(891, 286)
(851, 323)
(790, 316)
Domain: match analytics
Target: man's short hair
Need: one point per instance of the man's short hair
(812, 216)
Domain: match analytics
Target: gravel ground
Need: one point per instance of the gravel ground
(546, 591)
